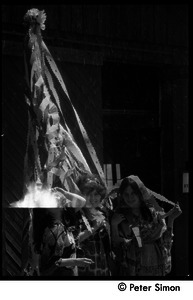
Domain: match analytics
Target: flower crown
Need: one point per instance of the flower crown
(35, 16)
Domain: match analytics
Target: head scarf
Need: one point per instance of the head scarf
(149, 197)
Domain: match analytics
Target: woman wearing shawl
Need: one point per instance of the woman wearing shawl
(141, 239)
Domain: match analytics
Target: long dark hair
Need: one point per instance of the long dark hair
(126, 182)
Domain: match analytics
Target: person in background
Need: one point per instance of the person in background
(53, 237)
(94, 236)
(141, 238)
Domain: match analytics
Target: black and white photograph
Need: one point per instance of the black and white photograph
(95, 145)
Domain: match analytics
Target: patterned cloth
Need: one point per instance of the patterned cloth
(93, 248)
(57, 242)
(97, 248)
(154, 257)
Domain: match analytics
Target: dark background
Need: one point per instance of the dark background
(126, 71)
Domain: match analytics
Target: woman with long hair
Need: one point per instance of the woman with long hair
(141, 238)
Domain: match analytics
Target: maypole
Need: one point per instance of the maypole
(53, 159)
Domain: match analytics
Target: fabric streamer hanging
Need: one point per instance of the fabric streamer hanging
(52, 154)
(53, 146)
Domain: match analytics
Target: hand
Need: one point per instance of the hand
(83, 262)
(97, 226)
(106, 225)
(127, 241)
(117, 219)
(175, 212)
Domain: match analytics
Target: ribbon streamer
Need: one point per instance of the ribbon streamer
(87, 141)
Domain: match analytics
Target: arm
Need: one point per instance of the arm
(116, 220)
(84, 235)
(73, 262)
(168, 234)
(175, 212)
(168, 237)
(74, 200)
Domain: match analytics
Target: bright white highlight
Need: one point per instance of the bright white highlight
(47, 198)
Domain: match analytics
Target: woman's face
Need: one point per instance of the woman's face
(130, 198)
(93, 198)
